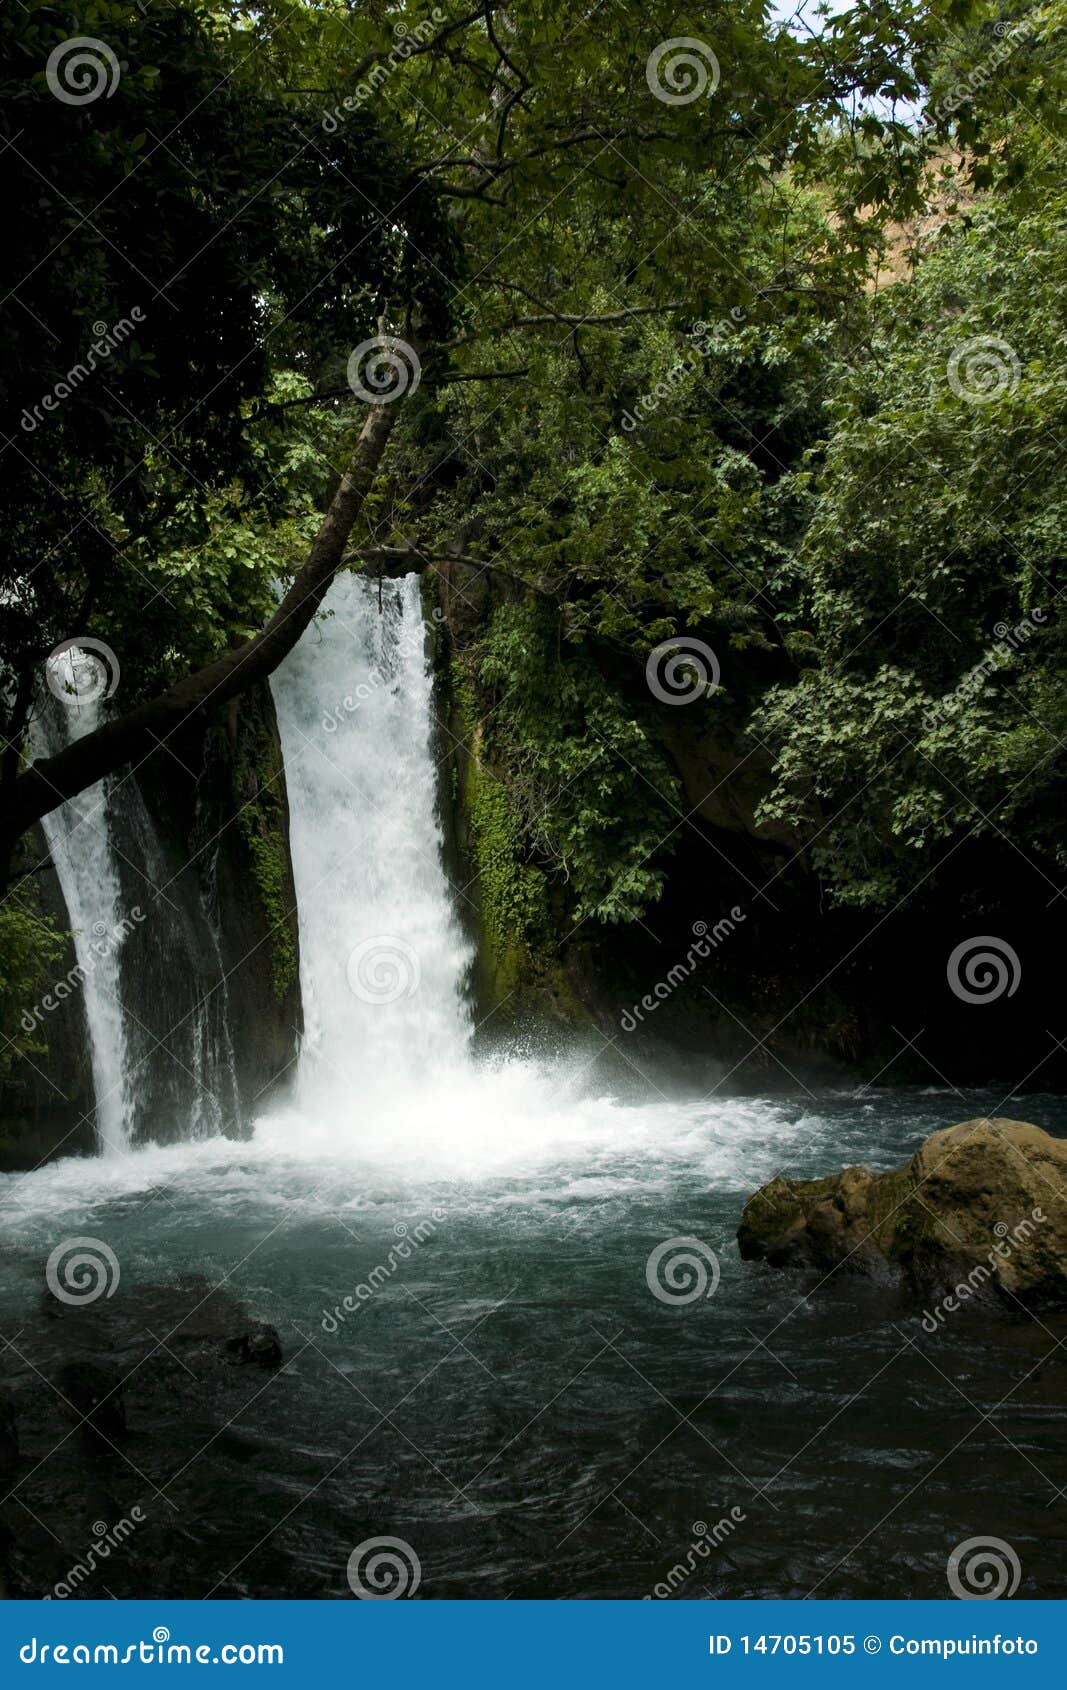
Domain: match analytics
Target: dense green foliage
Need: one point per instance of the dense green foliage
(175, 258)
(661, 395)
(928, 625)
(29, 946)
(592, 790)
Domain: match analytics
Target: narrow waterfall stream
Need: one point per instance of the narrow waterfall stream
(162, 1067)
(79, 839)
(462, 1257)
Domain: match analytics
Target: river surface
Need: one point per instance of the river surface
(487, 1354)
(512, 1400)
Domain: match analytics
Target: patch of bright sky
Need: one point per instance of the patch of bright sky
(810, 17)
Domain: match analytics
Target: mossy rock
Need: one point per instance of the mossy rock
(981, 1206)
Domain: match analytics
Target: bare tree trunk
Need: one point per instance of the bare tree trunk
(50, 781)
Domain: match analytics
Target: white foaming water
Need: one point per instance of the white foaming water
(80, 844)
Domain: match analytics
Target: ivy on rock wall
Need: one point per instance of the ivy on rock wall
(30, 944)
(592, 791)
(259, 793)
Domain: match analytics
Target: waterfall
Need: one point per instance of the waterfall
(383, 959)
(146, 940)
(79, 839)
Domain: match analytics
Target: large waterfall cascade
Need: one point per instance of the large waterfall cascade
(383, 957)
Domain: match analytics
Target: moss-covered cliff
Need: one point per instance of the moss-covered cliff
(613, 847)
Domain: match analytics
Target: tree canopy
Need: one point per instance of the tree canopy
(644, 309)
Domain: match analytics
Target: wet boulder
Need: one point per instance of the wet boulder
(259, 1345)
(982, 1202)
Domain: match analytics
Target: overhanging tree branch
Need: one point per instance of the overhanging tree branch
(50, 781)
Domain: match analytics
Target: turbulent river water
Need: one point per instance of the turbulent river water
(455, 1251)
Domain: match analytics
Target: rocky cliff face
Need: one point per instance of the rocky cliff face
(214, 970)
(46, 1100)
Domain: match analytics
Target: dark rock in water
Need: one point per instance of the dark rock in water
(168, 1424)
(985, 1202)
(93, 1396)
(260, 1344)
